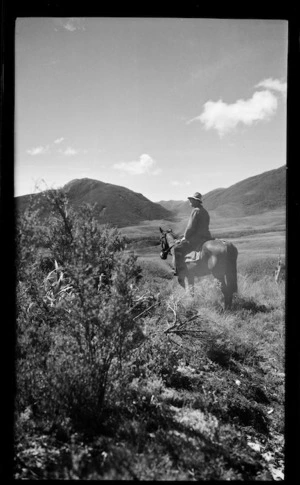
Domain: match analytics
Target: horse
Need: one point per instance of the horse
(218, 258)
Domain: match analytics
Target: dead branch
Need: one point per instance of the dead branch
(278, 269)
(147, 309)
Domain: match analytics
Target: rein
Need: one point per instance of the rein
(167, 251)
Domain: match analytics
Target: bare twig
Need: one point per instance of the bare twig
(187, 332)
(147, 309)
(183, 332)
(278, 269)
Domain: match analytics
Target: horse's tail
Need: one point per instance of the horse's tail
(231, 268)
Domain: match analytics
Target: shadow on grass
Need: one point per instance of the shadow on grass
(241, 303)
(246, 414)
(142, 440)
(178, 381)
(154, 434)
(210, 458)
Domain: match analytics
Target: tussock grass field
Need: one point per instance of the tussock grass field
(192, 393)
(244, 348)
(238, 226)
(260, 240)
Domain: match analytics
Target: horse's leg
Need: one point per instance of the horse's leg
(181, 277)
(191, 281)
(184, 279)
(181, 280)
(231, 274)
(228, 298)
(224, 290)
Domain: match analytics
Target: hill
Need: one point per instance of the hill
(182, 207)
(123, 207)
(254, 195)
(114, 204)
(261, 193)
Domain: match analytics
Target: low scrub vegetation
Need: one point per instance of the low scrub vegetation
(258, 268)
(122, 375)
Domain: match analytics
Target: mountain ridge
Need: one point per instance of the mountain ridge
(253, 195)
(121, 206)
(114, 204)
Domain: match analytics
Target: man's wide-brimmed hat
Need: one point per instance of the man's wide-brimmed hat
(196, 196)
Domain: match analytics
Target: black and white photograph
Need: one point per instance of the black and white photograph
(150, 166)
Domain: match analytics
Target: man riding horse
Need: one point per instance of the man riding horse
(196, 233)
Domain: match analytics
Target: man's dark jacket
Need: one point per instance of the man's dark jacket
(197, 229)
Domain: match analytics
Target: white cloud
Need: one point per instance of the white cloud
(59, 140)
(225, 117)
(145, 164)
(69, 152)
(274, 84)
(40, 150)
(71, 24)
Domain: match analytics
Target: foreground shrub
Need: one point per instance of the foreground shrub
(77, 324)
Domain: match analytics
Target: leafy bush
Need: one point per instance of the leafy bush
(78, 324)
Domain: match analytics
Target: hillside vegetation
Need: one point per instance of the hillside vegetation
(235, 227)
(183, 208)
(122, 375)
(254, 195)
(113, 204)
(123, 207)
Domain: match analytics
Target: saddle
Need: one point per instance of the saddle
(196, 255)
(193, 257)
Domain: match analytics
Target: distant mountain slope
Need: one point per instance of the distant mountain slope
(182, 207)
(254, 195)
(114, 204)
(261, 193)
(176, 206)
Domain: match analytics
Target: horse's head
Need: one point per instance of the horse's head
(165, 247)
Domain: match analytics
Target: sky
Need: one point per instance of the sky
(163, 106)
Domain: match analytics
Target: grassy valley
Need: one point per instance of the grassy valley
(132, 378)
(260, 240)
